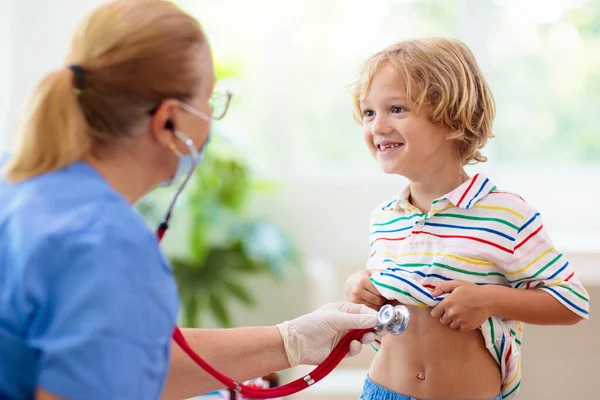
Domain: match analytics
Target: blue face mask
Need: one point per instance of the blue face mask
(187, 163)
(190, 161)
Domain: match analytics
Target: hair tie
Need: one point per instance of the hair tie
(79, 73)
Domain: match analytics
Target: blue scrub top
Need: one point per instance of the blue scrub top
(87, 300)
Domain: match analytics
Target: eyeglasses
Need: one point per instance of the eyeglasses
(219, 101)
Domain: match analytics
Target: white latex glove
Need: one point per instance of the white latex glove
(309, 339)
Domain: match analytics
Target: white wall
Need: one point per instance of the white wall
(34, 38)
(6, 63)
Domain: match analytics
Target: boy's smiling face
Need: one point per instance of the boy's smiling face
(403, 140)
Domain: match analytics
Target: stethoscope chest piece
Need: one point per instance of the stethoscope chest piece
(393, 318)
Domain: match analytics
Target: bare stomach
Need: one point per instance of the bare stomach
(431, 361)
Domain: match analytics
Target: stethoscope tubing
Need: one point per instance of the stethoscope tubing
(320, 372)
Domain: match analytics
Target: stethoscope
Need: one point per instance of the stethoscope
(393, 318)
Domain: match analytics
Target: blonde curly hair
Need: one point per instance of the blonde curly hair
(442, 74)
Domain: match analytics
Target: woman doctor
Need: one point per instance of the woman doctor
(87, 301)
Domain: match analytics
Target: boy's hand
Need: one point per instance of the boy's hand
(359, 289)
(465, 308)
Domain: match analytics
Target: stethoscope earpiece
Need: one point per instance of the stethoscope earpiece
(394, 319)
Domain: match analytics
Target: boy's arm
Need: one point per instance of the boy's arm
(530, 306)
(556, 296)
(537, 264)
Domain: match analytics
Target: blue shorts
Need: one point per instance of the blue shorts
(373, 391)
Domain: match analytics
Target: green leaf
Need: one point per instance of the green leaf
(240, 292)
(220, 312)
(226, 242)
(190, 311)
(263, 185)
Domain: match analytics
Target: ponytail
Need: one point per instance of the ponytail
(127, 57)
(54, 132)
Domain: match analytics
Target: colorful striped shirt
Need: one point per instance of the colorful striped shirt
(474, 233)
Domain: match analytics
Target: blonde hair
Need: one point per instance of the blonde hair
(134, 54)
(443, 75)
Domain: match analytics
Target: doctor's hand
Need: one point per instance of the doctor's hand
(359, 289)
(309, 339)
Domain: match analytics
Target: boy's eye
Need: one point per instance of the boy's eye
(398, 109)
(368, 113)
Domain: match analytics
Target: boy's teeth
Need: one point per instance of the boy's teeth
(389, 146)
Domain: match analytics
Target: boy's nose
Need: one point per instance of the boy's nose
(381, 126)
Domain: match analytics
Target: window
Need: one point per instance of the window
(294, 61)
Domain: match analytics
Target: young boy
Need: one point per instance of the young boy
(471, 262)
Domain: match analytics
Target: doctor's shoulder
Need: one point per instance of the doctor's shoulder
(72, 221)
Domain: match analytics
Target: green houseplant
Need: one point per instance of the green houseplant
(223, 243)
